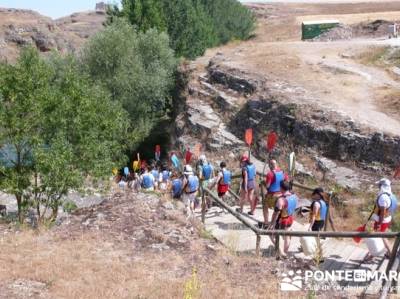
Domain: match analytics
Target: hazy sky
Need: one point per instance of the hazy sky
(52, 8)
(58, 8)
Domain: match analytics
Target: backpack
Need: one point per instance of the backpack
(155, 174)
(227, 177)
(276, 185)
(251, 172)
(165, 175)
(176, 187)
(193, 183)
(148, 182)
(291, 204)
(207, 170)
(393, 202)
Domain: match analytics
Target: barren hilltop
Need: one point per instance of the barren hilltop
(20, 27)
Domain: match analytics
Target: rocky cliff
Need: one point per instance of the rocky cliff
(20, 28)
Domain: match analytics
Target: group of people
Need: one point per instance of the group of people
(181, 184)
(185, 184)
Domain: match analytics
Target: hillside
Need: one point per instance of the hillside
(26, 27)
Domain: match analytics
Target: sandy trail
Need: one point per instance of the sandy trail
(319, 68)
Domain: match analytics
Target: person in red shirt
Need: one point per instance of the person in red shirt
(273, 181)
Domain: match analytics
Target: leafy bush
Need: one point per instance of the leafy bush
(193, 25)
(137, 68)
(69, 206)
(56, 128)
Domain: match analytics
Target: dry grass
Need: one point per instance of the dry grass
(372, 55)
(106, 260)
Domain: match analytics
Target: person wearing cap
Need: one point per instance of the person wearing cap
(190, 187)
(205, 173)
(284, 208)
(248, 184)
(147, 180)
(384, 205)
(223, 180)
(273, 181)
(319, 210)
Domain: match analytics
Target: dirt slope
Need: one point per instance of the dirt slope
(130, 246)
(19, 28)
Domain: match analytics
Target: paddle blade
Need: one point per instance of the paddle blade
(292, 163)
(248, 136)
(397, 173)
(175, 161)
(271, 141)
(197, 150)
(157, 152)
(188, 156)
(359, 229)
(136, 165)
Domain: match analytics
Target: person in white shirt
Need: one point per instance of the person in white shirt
(382, 211)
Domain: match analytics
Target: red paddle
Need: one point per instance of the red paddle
(248, 136)
(397, 173)
(271, 141)
(188, 156)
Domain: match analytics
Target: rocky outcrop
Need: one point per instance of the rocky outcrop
(20, 28)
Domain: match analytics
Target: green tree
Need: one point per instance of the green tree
(189, 27)
(137, 68)
(231, 20)
(193, 25)
(57, 129)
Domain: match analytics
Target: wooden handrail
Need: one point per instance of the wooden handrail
(347, 234)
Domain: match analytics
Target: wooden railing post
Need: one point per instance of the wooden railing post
(258, 241)
(277, 253)
(203, 205)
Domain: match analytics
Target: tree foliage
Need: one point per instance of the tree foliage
(56, 129)
(137, 69)
(193, 25)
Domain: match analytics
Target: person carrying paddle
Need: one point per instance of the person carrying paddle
(248, 184)
(273, 181)
(284, 208)
(176, 185)
(206, 174)
(319, 210)
(147, 180)
(190, 188)
(385, 207)
(223, 180)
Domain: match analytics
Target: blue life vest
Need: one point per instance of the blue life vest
(291, 204)
(276, 185)
(155, 174)
(126, 171)
(322, 213)
(193, 183)
(227, 177)
(251, 172)
(148, 181)
(207, 170)
(176, 187)
(165, 176)
(393, 204)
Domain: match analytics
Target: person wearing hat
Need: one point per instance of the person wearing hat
(205, 173)
(190, 188)
(385, 205)
(248, 184)
(319, 210)
(273, 181)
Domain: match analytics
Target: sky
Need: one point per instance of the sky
(60, 8)
(52, 8)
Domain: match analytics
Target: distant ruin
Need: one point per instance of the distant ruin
(101, 7)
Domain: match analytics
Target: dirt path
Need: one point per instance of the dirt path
(326, 72)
